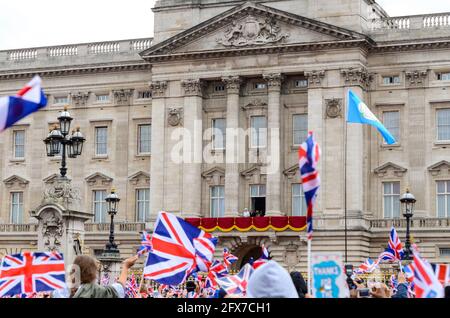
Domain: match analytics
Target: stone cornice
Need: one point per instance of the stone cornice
(410, 45)
(78, 70)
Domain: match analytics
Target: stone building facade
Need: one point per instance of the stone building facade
(274, 69)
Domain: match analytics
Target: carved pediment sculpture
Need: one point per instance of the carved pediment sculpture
(255, 104)
(140, 176)
(291, 172)
(396, 170)
(215, 175)
(9, 182)
(252, 31)
(254, 174)
(100, 178)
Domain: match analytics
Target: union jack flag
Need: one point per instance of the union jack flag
(393, 282)
(263, 259)
(442, 272)
(409, 272)
(367, 267)
(217, 270)
(426, 283)
(179, 249)
(388, 255)
(29, 272)
(309, 154)
(228, 258)
(146, 244)
(395, 245)
(237, 284)
(132, 288)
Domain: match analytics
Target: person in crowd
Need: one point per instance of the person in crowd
(300, 285)
(85, 286)
(402, 288)
(271, 281)
(246, 213)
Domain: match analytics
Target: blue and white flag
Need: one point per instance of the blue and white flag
(359, 113)
(28, 100)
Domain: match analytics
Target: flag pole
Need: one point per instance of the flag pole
(309, 268)
(345, 181)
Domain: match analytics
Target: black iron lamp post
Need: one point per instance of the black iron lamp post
(113, 201)
(408, 200)
(58, 141)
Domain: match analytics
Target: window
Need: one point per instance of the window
(219, 87)
(99, 206)
(391, 80)
(217, 203)
(443, 76)
(258, 199)
(391, 199)
(260, 85)
(443, 124)
(298, 200)
(299, 128)
(143, 205)
(102, 98)
(16, 207)
(101, 141)
(444, 252)
(391, 121)
(258, 131)
(144, 139)
(443, 199)
(61, 100)
(144, 95)
(19, 143)
(302, 83)
(219, 133)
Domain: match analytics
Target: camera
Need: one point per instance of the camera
(364, 293)
(349, 272)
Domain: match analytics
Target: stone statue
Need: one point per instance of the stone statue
(52, 231)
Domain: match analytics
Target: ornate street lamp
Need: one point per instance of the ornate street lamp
(113, 201)
(58, 141)
(408, 200)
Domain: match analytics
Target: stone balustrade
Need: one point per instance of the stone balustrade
(413, 22)
(18, 228)
(120, 227)
(132, 46)
(415, 223)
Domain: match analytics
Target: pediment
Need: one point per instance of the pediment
(440, 167)
(390, 167)
(51, 178)
(98, 178)
(139, 177)
(15, 179)
(292, 171)
(214, 175)
(249, 26)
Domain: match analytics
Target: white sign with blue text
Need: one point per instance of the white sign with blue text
(328, 276)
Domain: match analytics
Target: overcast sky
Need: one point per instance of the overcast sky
(30, 23)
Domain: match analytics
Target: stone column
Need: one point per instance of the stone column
(233, 84)
(158, 141)
(193, 150)
(274, 141)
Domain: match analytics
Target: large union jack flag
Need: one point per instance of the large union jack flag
(368, 266)
(29, 272)
(237, 284)
(309, 154)
(426, 283)
(395, 245)
(179, 249)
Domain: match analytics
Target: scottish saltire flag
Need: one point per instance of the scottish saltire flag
(368, 266)
(28, 100)
(228, 258)
(309, 154)
(442, 272)
(236, 284)
(426, 282)
(395, 245)
(29, 272)
(359, 113)
(178, 250)
(146, 244)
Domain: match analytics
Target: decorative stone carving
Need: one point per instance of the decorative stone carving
(122, 96)
(61, 192)
(52, 231)
(357, 76)
(158, 89)
(397, 171)
(254, 174)
(315, 78)
(442, 167)
(291, 172)
(416, 78)
(255, 104)
(252, 31)
(174, 117)
(9, 182)
(274, 80)
(193, 87)
(233, 84)
(214, 176)
(334, 107)
(140, 176)
(80, 98)
(99, 178)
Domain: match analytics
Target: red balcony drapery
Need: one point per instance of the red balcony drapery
(258, 224)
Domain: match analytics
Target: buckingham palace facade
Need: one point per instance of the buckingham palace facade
(159, 116)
